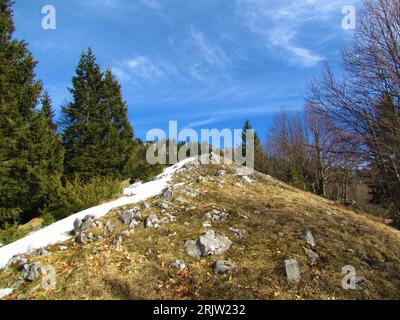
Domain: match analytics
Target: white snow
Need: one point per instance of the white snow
(5, 292)
(59, 231)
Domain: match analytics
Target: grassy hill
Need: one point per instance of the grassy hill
(271, 216)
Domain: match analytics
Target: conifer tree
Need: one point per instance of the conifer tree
(47, 109)
(260, 158)
(97, 135)
(24, 169)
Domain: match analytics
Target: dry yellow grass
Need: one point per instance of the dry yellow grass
(140, 268)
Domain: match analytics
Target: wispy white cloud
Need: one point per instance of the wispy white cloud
(152, 4)
(142, 68)
(212, 54)
(278, 23)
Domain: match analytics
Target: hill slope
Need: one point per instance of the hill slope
(264, 221)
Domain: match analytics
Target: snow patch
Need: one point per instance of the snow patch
(59, 231)
(5, 292)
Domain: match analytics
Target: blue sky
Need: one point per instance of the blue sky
(204, 63)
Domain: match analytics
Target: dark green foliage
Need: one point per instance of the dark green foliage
(77, 195)
(29, 161)
(260, 157)
(97, 134)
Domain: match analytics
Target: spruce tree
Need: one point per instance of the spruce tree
(260, 158)
(47, 109)
(97, 135)
(24, 169)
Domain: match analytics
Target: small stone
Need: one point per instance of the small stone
(257, 211)
(129, 215)
(63, 248)
(313, 257)
(223, 266)
(134, 224)
(180, 201)
(126, 233)
(247, 179)
(179, 264)
(81, 238)
(43, 252)
(163, 205)
(152, 221)
(90, 237)
(243, 171)
(239, 233)
(30, 272)
(186, 223)
(281, 235)
(220, 173)
(309, 238)
(99, 224)
(109, 227)
(216, 215)
(77, 226)
(168, 193)
(192, 249)
(207, 224)
(292, 270)
(118, 241)
(145, 206)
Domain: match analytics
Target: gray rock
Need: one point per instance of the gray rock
(207, 224)
(49, 281)
(216, 215)
(243, 171)
(43, 252)
(81, 238)
(117, 241)
(309, 238)
(152, 221)
(313, 257)
(179, 264)
(167, 193)
(213, 244)
(109, 227)
(163, 205)
(87, 222)
(145, 206)
(134, 224)
(239, 233)
(247, 179)
(31, 272)
(90, 237)
(126, 233)
(192, 249)
(127, 216)
(223, 266)
(167, 219)
(77, 226)
(98, 224)
(220, 173)
(18, 260)
(292, 270)
(180, 201)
